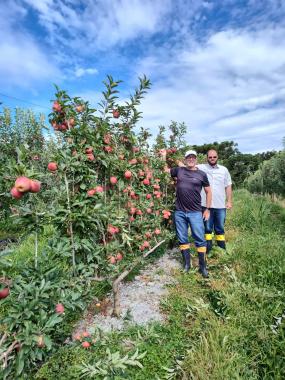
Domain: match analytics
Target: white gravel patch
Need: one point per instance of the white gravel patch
(139, 299)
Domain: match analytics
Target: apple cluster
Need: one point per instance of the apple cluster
(24, 185)
(61, 123)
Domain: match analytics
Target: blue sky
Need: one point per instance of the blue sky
(218, 66)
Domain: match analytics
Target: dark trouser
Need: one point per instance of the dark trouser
(215, 223)
(193, 219)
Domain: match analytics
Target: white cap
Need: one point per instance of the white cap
(190, 152)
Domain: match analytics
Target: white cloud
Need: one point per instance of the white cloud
(227, 87)
(22, 61)
(101, 24)
(80, 72)
(223, 76)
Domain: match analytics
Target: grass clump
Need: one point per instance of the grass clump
(219, 328)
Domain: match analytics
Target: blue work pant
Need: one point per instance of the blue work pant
(193, 219)
(216, 223)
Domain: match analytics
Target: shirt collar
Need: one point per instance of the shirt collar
(213, 167)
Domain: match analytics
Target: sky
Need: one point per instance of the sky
(218, 66)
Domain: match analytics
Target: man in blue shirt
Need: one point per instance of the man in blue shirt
(188, 210)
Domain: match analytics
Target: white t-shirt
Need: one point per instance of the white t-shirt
(219, 178)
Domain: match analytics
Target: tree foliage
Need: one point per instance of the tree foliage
(270, 177)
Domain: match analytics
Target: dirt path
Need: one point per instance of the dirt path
(139, 299)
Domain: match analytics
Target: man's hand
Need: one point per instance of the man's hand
(229, 205)
(206, 214)
(180, 164)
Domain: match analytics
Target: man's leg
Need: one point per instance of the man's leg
(219, 223)
(181, 226)
(209, 224)
(198, 231)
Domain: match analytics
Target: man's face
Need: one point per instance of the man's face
(190, 161)
(212, 157)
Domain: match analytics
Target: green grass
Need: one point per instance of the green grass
(218, 328)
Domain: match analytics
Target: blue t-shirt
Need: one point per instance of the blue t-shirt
(188, 188)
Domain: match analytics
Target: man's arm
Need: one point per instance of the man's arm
(206, 213)
(229, 192)
(162, 153)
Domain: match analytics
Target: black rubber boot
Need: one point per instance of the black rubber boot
(202, 265)
(183, 258)
(209, 245)
(221, 244)
(186, 259)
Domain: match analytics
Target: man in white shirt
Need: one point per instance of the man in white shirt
(221, 185)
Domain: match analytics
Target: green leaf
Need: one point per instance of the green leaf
(53, 320)
(48, 342)
(20, 362)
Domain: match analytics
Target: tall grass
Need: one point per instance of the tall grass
(219, 328)
(243, 346)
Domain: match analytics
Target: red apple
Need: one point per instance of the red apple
(63, 126)
(16, 193)
(89, 150)
(107, 139)
(4, 293)
(166, 214)
(113, 180)
(85, 334)
(146, 181)
(56, 106)
(23, 184)
(112, 230)
(119, 256)
(90, 157)
(128, 174)
(71, 122)
(59, 308)
(146, 244)
(77, 337)
(116, 114)
(148, 196)
(91, 192)
(52, 166)
(99, 189)
(85, 344)
(35, 186)
(108, 149)
(112, 259)
(157, 231)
